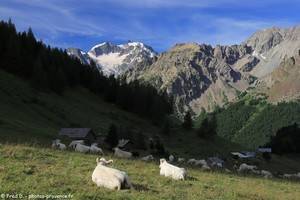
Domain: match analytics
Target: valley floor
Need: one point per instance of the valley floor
(28, 169)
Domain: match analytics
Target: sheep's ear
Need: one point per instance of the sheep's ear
(97, 160)
(110, 161)
(162, 160)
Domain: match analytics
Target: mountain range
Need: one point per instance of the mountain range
(203, 77)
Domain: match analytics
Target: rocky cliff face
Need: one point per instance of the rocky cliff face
(200, 76)
(283, 84)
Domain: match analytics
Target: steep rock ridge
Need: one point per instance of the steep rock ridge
(198, 76)
(271, 46)
(283, 84)
(203, 77)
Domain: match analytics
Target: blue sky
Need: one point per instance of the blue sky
(158, 23)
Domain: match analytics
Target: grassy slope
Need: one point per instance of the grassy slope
(34, 170)
(29, 116)
(251, 123)
(29, 120)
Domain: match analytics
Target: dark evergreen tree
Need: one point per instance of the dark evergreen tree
(286, 140)
(207, 128)
(187, 121)
(39, 78)
(140, 142)
(112, 136)
(159, 148)
(166, 127)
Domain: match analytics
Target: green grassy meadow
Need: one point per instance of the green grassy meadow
(35, 170)
(29, 120)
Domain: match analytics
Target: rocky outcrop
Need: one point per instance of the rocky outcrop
(198, 76)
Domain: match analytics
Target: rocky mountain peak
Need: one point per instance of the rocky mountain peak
(264, 40)
(113, 59)
(79, 54)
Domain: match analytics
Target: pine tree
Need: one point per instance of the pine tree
(166, 127)
(187, 121)
(39, 78)
(112, 136)
(140, 141)
(207, 128)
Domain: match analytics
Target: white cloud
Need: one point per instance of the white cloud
(47, 16)
(127, 20)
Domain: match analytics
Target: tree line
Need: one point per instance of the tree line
(53, 70)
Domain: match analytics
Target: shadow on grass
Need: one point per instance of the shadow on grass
(190, 178)
(140, 188)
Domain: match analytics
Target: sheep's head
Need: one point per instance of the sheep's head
(94, 144)
(56, 141)
(115, 149)
(162, 160)
(103, 161)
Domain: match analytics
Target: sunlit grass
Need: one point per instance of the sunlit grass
(34, 170)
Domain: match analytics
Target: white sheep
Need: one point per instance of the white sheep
(109, 177)
(200, 162)
(147, 158)
(246, 168)
(82, 148)
(74, 142)
(171, 158)
(168, 170)
(95, 149)
(180, 160)
(254, 171)
(122, 154)
(191, 161)
(266, 174)
(292, 176)
(58, 145)
(205, 167)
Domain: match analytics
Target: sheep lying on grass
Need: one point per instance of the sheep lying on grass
(82, 148)
(58, 145)
(246, 168)
(122, 154)
(266, 174)
(95, 149)
(74, 142)
(168, 170)
(292, 176)
(200, 162)
(108, 177)
(180, 160)
(147, 158)
(191, 161)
